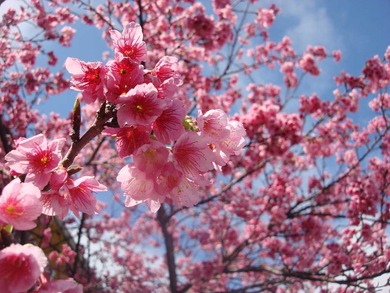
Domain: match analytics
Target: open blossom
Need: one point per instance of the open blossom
(20, 267)
(141, 106)
(192, 155)
(150, 158)
(135, 184)
(213, 124)
(19, 205)
(121, 76)
(168, 126)
(36, 158)
(129, 43)
(86, 77)
(128, 139)
(80, 195)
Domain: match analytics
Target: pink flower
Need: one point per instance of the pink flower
(150, 158)
(308, 64)
(129, 43)
(135, 184)
(141, 106)
(120, 77)
(213, 124)
(36, 157)
(63, 286)
(168, 126)
(167, 179)
(80, 195)
(86, 77)
(165, 77)
(128, 139)
(20, 267)
(20, 205)
(192, 155)
(186, 193)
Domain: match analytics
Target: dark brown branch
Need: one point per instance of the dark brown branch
(104, 114)
(169, 246)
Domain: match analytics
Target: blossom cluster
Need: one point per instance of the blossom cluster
(47, 187)
(170, 152)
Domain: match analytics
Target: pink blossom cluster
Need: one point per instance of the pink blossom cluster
(47, 187)
(22, 270)
(171, 152)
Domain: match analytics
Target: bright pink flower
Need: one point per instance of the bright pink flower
(36, 157)
(192, 155)
(80, 195)
(63, 286)
(308, 64)
(213, 124)
(120, 77)
(150, 158)
(128, 139)
(20, 205)
(86, 77)
(169, 125)
(135, 184)
(129, 43)
(141, 106)
(20, 267)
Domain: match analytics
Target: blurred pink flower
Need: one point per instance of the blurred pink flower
(20, 205)
(20, 267)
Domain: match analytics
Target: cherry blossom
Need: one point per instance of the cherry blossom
(20, 267)
(20, 205)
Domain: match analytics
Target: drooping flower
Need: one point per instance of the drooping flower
(37, 158)
(150, 158)
(129, 43)
(192, 155)
(87, 77)
(141, 106)
(20, 205)
(20, 267)
(80, 194)
(168, 126)
(135, 184)
(213, 124)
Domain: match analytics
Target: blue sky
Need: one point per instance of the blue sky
(360, 28)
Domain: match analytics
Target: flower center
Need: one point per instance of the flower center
(139, 108)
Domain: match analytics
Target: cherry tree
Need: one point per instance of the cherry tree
(177, 169)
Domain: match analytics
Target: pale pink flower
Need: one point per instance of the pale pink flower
(128, 139)
(20, 267)
(20, 205)
(186, 193)
(169, 125)
(213, 124)
(141, 106)
(150, 158)
(192, 155)
(120, 77)
(61, 286)
(86, 77)
(135, 184)
(234, 143)
(129, 43)
(36, 157)
(80, 195)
